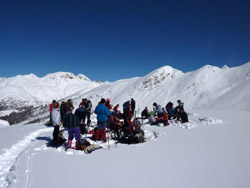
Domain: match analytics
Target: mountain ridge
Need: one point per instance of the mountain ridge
(206, 87)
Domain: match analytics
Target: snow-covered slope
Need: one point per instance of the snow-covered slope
(207, 87)
(212, 150)
(31, 90)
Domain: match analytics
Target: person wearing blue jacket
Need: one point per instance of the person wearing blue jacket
(102, 113)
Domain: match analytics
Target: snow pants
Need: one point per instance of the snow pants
(101, 129)
(74, 131)
(55, 133)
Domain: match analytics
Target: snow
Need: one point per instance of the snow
(205, 88)
(4, 123)
(31, 90)
(211, 150)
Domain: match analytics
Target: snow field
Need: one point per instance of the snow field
(210, 151)
(4, 123)
(8, 158)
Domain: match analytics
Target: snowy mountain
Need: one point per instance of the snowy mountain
(207, 87)
(31, 90)
(211, 150)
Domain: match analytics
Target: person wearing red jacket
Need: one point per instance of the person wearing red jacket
(163, 119)
(109, 106)
(116, 108)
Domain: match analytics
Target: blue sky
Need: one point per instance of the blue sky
(116, 39)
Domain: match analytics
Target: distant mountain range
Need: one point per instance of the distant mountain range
(209, 87)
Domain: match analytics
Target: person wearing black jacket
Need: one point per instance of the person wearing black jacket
(145, 113)
(133, 106)
(72, 123)
(87, 104)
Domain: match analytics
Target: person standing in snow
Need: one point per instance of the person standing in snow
(56, 121)
(87, 105)
(50, 110)
(133, 106)
(102, 113)
(63, 110)
(127, 114)
(72, 123)
(69, 106)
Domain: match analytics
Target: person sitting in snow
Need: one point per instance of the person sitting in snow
(72, 123)
(183, 116)
(180, 105)
(170, 110)
(151, 118)
(178, 109)
(115, 124)
(102, 113)
(109, 106)
(116, 108)
(163, 119)
(117, 112)
(158, 109)
(145, 113)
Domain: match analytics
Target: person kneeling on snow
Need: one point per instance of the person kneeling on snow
(72, 123)
(102, 113)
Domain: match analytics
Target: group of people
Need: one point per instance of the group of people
(108, 116)
(162, 115)
(63, 115)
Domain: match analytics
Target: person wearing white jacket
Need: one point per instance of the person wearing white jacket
(56, 121)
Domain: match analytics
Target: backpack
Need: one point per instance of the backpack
(139, 137)
(85, 146)
(133, 138)
(83, 129)
(137, 124)
(131, 135)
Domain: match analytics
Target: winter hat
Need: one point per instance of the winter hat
(108, 100)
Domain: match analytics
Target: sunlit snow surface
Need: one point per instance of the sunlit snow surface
(211, 150)
(200, 153)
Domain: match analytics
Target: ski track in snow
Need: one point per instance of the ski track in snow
(10, 156)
